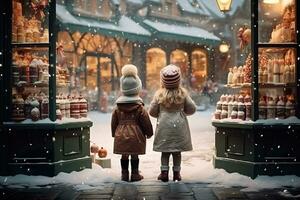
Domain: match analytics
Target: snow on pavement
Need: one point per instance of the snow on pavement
(196, 165)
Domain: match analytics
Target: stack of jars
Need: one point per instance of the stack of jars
(35, 107)
(234, 107)
(71, 107)
(280, 107)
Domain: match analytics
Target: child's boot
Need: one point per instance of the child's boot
(164, 176)
(125, 172)
(135, 174)
(176, 173)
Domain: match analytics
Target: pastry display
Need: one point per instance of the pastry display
(26, 28)
(279, 67)
(284, 31)
(240, 75)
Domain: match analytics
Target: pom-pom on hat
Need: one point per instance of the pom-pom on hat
(170, 76)
(130, 82)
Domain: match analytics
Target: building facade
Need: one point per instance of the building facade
(100, 36)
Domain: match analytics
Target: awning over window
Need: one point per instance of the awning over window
(125, 28)
(181, 33)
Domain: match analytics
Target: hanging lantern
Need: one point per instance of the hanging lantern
(224, 47)
(224, 5)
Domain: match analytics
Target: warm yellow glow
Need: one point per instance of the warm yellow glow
(224, 5)
(271, 1)
(224, 48)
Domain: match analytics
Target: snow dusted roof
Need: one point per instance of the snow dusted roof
(182, 33)
(138, 2)
(187, 6)
(125, 27)
(213, 9)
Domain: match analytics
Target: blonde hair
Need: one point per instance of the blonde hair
(169, 97)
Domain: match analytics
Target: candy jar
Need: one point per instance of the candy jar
(83, 106)
(270, 71)
(67, 107)
(248, 106)
(262, 108)
(233, 114)
(45, 108)
(280, 109)
(18, 108)
(289, 108)
(271, 108)
(224, 114)
(218, 114)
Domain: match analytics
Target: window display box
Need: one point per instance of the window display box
(44, 129)
(257, 125)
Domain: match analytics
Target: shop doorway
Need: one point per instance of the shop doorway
(155, 61)
(98, 78)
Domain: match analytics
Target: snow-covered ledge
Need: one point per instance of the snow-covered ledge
(48, 121)
(288, 121)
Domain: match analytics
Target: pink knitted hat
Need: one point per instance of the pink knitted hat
(170, 76)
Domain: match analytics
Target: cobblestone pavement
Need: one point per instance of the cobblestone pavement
(147, 191)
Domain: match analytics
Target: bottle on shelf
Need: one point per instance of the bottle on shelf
(281, 66)
(262, 108)
(276, 71)
(18, 108)
(280, 109)
(248, 106)
(62, 106)
(290, 107)
(230, 105)
(241, 108)
(235, 75)
(265, 76)
(229, 77)
(67, 107)
(45, 107)
(271, 108)
(270, 71)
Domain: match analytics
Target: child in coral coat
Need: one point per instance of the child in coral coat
(130, 124)
(171, 104)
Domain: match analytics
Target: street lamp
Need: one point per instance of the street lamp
(224, 5)
(224, 47)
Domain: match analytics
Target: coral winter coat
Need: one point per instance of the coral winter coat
(130, 126)
(172, 131)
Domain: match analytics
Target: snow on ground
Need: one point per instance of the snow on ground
(196, 165)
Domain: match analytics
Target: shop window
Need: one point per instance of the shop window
(65, 39)
(93, 8)
(199, 68)
(180, 59)
(155, 61)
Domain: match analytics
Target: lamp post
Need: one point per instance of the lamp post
(224, 5)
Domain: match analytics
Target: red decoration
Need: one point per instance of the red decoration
(102, 153)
